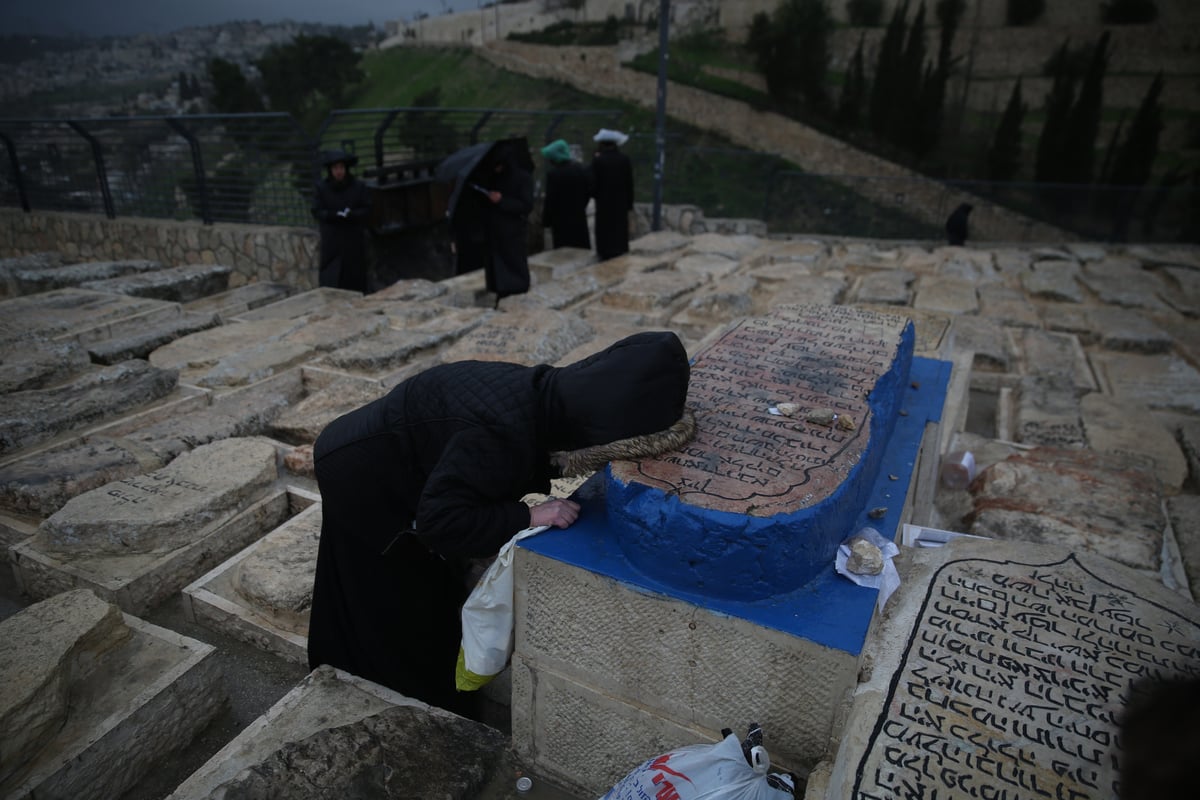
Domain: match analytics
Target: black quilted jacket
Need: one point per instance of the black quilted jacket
(455, 447)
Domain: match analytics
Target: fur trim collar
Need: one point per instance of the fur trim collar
(573, 463)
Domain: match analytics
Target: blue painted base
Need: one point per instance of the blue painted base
(829, 610)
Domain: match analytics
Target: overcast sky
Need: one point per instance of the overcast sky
(122, 17)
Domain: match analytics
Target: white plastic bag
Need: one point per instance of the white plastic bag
(703, 772)
(487, 621)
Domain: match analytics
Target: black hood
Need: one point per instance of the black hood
(634, 387)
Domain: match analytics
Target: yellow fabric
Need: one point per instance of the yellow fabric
(464, 679)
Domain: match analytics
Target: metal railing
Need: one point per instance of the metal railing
(260, 168)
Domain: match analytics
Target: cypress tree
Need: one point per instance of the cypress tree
(1004, 157)
(1048, 167)
(884, 87)
(853, 90)
(1083, 124)
(904, 119)
(1135, 158)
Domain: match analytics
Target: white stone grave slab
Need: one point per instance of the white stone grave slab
(262, 595)
(116, 696)
(203, 535)
(1002, 671)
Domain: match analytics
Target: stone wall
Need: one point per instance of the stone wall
(255, 252)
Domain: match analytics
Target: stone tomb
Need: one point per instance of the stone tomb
(138, 540)
(93, 698)
(1003, 670)
(262, 595)
(637, 653)
(793, 412)
(338, 735)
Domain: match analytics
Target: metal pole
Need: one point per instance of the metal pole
(660, 133)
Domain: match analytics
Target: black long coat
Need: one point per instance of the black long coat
(507, 224)
(568, 189)
(612, 186)
(343, 262)
(451, 451)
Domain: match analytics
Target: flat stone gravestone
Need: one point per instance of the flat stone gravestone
(36, 415)
(1009, 306)
(397, 348)
(232, 302)
(1132, 432)
(276, 579)
(1046, 352)
(167, 508)
(650, 291)
(716, 305)
(757, 503)
(886, 287)
(706, 266)
(1047, 411)
(556, 264)
(67, 311)
(659, 242)
(28, 263)
(523, 338)
(180, 284)
(263, 594)
(149, 337)
(303, 422)
(94, 699)
(1054, 280)
(44, 280)
(1164, 382)
(1088, 501)
(305, 303)
(1123, 282)
(946, 295)
(1126, 329)
(41, 483)
(1003, 671)
(36, 362)
(327, 332)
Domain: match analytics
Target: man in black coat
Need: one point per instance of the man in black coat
(341, 204)
(612, 186)
(433, 473)
(568, 190)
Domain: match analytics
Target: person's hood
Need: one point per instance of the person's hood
(557, 151)
(635, 387)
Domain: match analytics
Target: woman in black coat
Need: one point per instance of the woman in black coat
(509, 183)
(432, 474)
(612, 186)
(568, 190)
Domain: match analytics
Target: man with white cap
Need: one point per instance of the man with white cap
(612, 186)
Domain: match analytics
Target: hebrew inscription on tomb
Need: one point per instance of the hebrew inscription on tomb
(756, 504)
(1014, 680)
(747, 460)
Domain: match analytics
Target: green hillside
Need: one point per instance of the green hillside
(701, 168)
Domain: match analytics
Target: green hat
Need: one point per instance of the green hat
(557, 151)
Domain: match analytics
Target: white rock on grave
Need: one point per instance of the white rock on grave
(159, 511)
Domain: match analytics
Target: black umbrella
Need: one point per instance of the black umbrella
(459, 167)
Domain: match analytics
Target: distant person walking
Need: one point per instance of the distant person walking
(956, 224)
(568, 190)
(508, 180)
(612, 186)
(341, 203)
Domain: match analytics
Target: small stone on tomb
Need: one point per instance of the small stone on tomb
(865, 557)
(877, 513)
(787, 409)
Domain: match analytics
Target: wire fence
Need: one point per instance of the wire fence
(260, 168)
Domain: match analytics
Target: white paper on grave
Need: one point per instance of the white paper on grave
(920, 536)
(888, 579)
